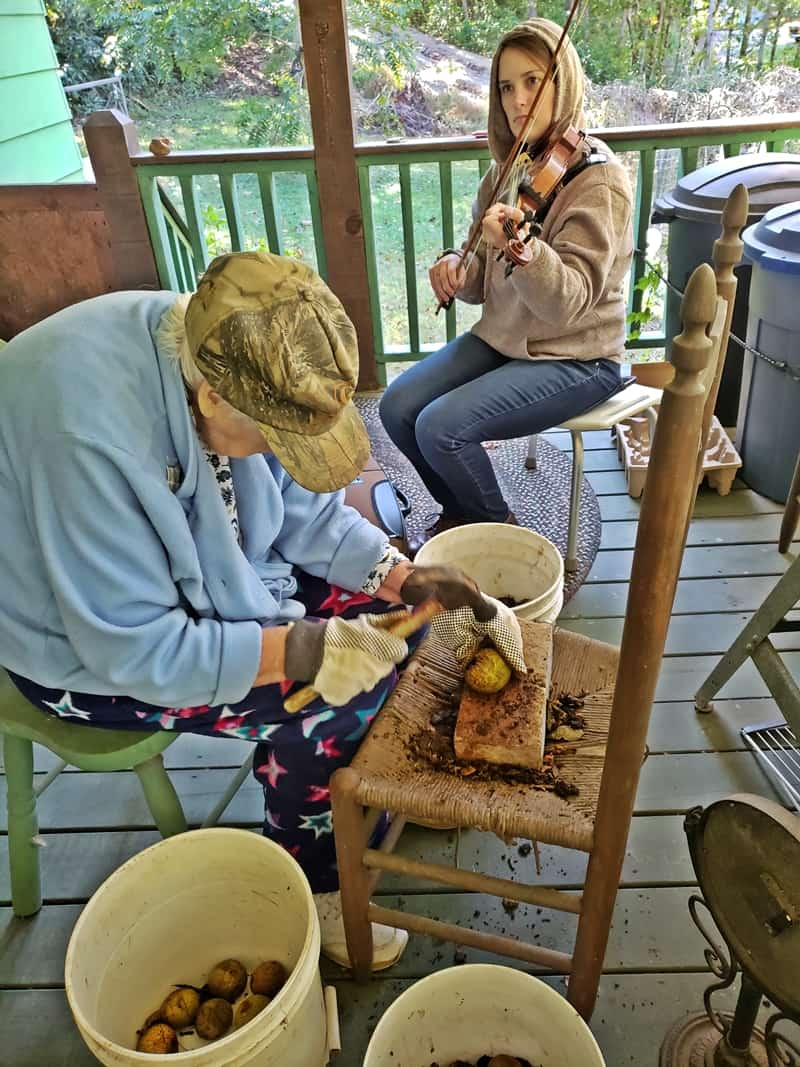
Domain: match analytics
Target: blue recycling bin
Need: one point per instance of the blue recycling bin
(768, 424)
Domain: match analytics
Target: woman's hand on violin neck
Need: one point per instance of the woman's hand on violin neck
(492, 225)
(447, 275)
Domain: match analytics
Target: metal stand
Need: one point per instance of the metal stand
(746, 852)
(753, 642)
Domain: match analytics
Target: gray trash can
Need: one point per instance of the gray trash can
(694, 211)
(768, 427)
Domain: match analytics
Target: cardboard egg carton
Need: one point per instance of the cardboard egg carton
(721, 461)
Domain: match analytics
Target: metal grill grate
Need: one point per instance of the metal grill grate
(776, 746)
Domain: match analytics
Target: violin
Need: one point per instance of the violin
(536, 194)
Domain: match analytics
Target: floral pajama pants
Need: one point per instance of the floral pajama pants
(295, 754)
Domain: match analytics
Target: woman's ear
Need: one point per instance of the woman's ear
(207, 400)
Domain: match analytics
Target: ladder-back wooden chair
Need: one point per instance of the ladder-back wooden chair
(618, 684)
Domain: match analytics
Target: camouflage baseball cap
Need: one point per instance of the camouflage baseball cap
(272, 339)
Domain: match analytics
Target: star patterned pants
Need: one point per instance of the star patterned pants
(295, 754)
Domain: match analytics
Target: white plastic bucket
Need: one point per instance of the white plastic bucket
(466, 1012)
(173, 911)
(505, 561)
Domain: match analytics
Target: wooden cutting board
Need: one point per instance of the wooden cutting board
(509, 727)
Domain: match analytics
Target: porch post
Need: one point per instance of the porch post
(111, 140)
(323, 25)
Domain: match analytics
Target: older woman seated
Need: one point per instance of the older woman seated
(175, 552)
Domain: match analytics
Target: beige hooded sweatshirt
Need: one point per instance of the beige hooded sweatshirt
(567, 303)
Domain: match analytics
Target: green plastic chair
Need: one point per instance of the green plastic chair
(89, 749)
(85, 747)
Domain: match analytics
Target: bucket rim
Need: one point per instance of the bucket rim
(491, 970)
(283, 1000)
(523, 531)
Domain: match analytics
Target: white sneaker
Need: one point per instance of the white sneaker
(388, 942)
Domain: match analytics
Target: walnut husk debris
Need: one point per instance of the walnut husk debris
(432, 746)
(564, 721)
(489, 1061)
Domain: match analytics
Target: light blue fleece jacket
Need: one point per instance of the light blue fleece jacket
(111, 582)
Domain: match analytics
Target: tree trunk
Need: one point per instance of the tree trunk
(655, 57)
(745, 44)
(776, 34)
(729, 45)
(762, 44)
(709, 41)
(664, 37)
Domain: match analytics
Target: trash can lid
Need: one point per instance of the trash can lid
(771, 178)
(774, 242)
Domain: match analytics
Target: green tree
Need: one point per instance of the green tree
(79, 40)
(158, 41)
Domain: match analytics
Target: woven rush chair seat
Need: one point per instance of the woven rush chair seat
(391, 778)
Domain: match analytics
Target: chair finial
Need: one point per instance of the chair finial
(691, 348)
(734, 214)
(728, 247)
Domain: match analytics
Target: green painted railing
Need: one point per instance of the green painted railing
(200, 203)
(415, 199)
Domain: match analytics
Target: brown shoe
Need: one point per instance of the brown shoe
(444, 522)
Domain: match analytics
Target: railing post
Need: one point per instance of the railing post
(323, 25)
(111, 140)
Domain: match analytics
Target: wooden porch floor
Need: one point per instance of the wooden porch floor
(654, 969)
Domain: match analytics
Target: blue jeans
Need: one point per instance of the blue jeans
(440, 411)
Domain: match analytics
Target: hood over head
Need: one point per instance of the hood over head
(568, 102)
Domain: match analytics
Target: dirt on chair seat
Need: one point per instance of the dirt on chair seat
(433, 746)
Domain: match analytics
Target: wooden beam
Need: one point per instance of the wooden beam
(323, 25)
(111, 140)
(35, 220)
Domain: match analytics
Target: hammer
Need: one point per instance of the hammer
(453, 588)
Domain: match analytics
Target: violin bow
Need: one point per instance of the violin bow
(474, 239)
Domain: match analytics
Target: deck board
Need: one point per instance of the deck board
(738, 503)
(714, 634)
(694, 596)
(632, 1011)
(746, 530)
(93, 823)
(32, 950)
(719, 561)
(74, 863)
(114, 800)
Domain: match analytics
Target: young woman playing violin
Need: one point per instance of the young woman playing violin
(550, 338)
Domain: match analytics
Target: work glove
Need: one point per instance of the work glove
(343, 657)
(447, 585)
(461, 631)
